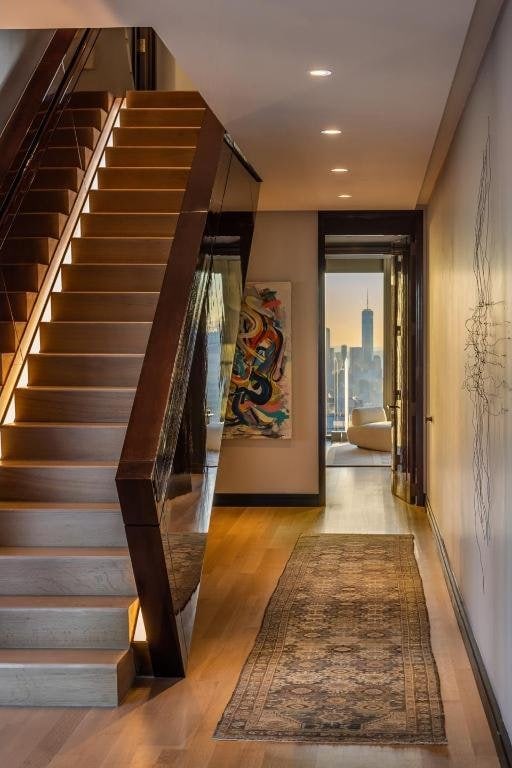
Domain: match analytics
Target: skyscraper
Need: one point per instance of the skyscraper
(367, 333)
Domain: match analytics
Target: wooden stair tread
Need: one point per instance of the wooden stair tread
(59, 552)
(101, 323)
(84, 357)
(126, 214)
(61, 657)
(38, 506)
(103, 294)
(60, 463)
(63, 424)
(123, 190)
(149, 168)
(61, 168)
(76, 388)
(48, 602)
(165, 109)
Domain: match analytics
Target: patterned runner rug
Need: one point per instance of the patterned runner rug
(343, 654)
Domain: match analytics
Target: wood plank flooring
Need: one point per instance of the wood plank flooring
(162, 725)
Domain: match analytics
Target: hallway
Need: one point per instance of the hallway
(164, 727)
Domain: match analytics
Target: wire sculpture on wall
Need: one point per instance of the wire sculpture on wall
(484, 379)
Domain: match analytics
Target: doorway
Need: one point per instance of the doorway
(371, 345)
(357, 369)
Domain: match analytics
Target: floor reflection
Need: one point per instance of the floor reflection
(184, 554)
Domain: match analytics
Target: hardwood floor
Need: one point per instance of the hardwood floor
(162, 725)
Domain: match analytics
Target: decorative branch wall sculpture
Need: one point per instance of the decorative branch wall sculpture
(486, 339)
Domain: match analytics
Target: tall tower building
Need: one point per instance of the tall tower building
(367, 333)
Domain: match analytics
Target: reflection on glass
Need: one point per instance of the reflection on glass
(187, 510)
(189, 491)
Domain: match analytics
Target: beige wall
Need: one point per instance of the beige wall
(284, 248)
(451, 296)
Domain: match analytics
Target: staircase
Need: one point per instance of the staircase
(36, 230)
(67, 595)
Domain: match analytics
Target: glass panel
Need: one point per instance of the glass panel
(109, 66)
(66, 131)
(189, 491)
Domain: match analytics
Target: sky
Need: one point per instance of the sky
(345, 298)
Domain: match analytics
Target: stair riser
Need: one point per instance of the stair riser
(117, 338)
(116, 278)
(104, 250)
(27, 250)
(91, 99)
(44, 200)
(70, 137)
(58, 178)
(49, 528)
(6, 359)
(22, 277)
(74, 405)
(16, 306)
(66, 576)
(128, 157)
(56, 157)
(64, 628)
(135, 118)
(156, 137)
(64, 685)
(142, 178)
(164, 99)
(38, 225)
(93, 371)
(61, 484)
(10, 335)
(139, 307)
(125, 225)
(131, 201)
(95, 118)
(46, 443)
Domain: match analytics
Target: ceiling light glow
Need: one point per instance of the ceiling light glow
(331, 131)
(339, 170)
(344, 195)
(320, 72)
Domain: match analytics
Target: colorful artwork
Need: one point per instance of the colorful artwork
(259, 403)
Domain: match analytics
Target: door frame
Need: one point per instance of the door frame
(380, 223)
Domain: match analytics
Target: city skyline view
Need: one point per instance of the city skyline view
(353, 354)
(345, 298)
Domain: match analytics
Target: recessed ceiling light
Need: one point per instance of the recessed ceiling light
(320, 72)
(331, 131)
(339, 170)
(344, 195)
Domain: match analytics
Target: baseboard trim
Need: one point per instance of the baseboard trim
(490, 704)
(267, 500)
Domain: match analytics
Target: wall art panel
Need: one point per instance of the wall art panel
(259, 404)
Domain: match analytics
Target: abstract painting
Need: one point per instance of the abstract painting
(259, 403)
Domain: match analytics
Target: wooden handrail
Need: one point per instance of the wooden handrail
(136, 478)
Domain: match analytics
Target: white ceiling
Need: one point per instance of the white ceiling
(393, 62)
